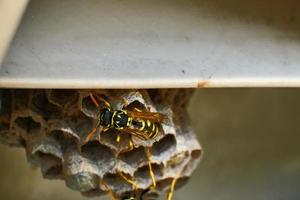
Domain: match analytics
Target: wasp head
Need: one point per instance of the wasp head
(105, 117)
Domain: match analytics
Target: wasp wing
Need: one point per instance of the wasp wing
(136, 132)
(152, 116)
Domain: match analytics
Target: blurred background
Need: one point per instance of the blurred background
(251, 142)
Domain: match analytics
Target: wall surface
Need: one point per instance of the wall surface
(124, 44)
(251, 143)
(10, 15)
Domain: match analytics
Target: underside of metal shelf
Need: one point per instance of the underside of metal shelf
(155, 44)
(10, 14)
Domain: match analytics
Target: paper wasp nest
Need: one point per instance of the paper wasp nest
(52, 125)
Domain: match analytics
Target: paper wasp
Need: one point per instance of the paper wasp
(142, 124)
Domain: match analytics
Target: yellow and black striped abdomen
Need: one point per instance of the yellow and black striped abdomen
(146, 126)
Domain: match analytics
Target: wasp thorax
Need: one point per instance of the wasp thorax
(121, 119)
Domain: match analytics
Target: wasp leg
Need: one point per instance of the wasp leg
(151, 173)
(131, 182)
(105, 129)
(130, 144)
(171, 191)
(118, 138)
(125, 103)
(90, 135)
(118, 141)
(172, 187)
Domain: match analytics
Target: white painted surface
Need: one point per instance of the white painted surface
(10, 15)
(154, 43)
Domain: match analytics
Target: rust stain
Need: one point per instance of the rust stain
(202, 84)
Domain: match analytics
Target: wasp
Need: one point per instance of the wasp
(142, 124)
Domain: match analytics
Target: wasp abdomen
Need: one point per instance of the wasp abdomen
(146, 126)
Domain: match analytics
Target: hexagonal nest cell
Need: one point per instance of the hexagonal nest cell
(52, 126)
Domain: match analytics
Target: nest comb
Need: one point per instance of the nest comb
(52, 125)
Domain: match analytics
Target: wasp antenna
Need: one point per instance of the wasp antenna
(94, 100)
(107, 104)
(123, 99)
